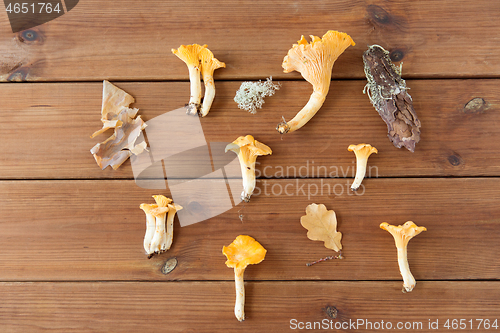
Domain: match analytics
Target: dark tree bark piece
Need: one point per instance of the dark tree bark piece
(388, 93)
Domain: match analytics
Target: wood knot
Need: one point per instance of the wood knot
(331, 311)
(169, 265)
(379, 14)
(30, 36)
(20, 75)
(396, 55)
(195, 207)
(455, 160)
(475, 105)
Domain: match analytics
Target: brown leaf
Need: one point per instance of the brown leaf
(322, 225)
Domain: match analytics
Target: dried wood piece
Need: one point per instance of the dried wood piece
(116, 114)
(114, 100)
(388, 93)
(122, 144)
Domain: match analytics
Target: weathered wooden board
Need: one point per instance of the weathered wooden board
(93, 230)
(131, 40)
(46, 129)
(270, 306)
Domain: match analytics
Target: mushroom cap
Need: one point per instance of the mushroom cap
(147, 208)
(249, 146)
(243, 251)
(315, 60)
(363, 149)
(159, 211)
(208, 63)
(174, 207)
(189, 53)
(402, 233)
(161, 200)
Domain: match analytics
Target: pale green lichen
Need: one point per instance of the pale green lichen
(250, 96)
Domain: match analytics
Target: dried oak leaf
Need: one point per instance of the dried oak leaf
(322, 225)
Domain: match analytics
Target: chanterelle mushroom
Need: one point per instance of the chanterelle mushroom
(208, 65)
(150, 226)
(160, 239)
(247, 149)
(402, 235)
(199, 59)
(172, 209)
(190, 54)
(314, 61)
(362, 152)
(243, 251)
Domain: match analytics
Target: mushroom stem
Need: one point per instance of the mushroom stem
(308, 111)
(248, 174)
(172, 210)
(208, 99)
(159, 241)
(247, 149)
(150, 232)
(408, 279)
(239, 306)
(169, 229)
(195, 88)
(362, 152)
(361, 162)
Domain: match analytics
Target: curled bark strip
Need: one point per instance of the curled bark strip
(388, 93)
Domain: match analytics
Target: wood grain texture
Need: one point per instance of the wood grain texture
(208, 306)
(130, 40)
(93, 230)
(46, 129)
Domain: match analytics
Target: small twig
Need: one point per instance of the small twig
(241, 214)
(326, 258)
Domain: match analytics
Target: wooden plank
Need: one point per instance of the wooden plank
(46, 129)
(93, 230)
(270, 306)
(130, 40)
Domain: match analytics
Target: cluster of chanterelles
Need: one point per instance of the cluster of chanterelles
(199, 59)
(159, 224)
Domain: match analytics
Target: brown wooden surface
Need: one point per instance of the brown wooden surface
(455, 141)
(71, 235)
(93, 230)
(131, 40)
(208, 306)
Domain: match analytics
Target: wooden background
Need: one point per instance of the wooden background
(71, 255)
